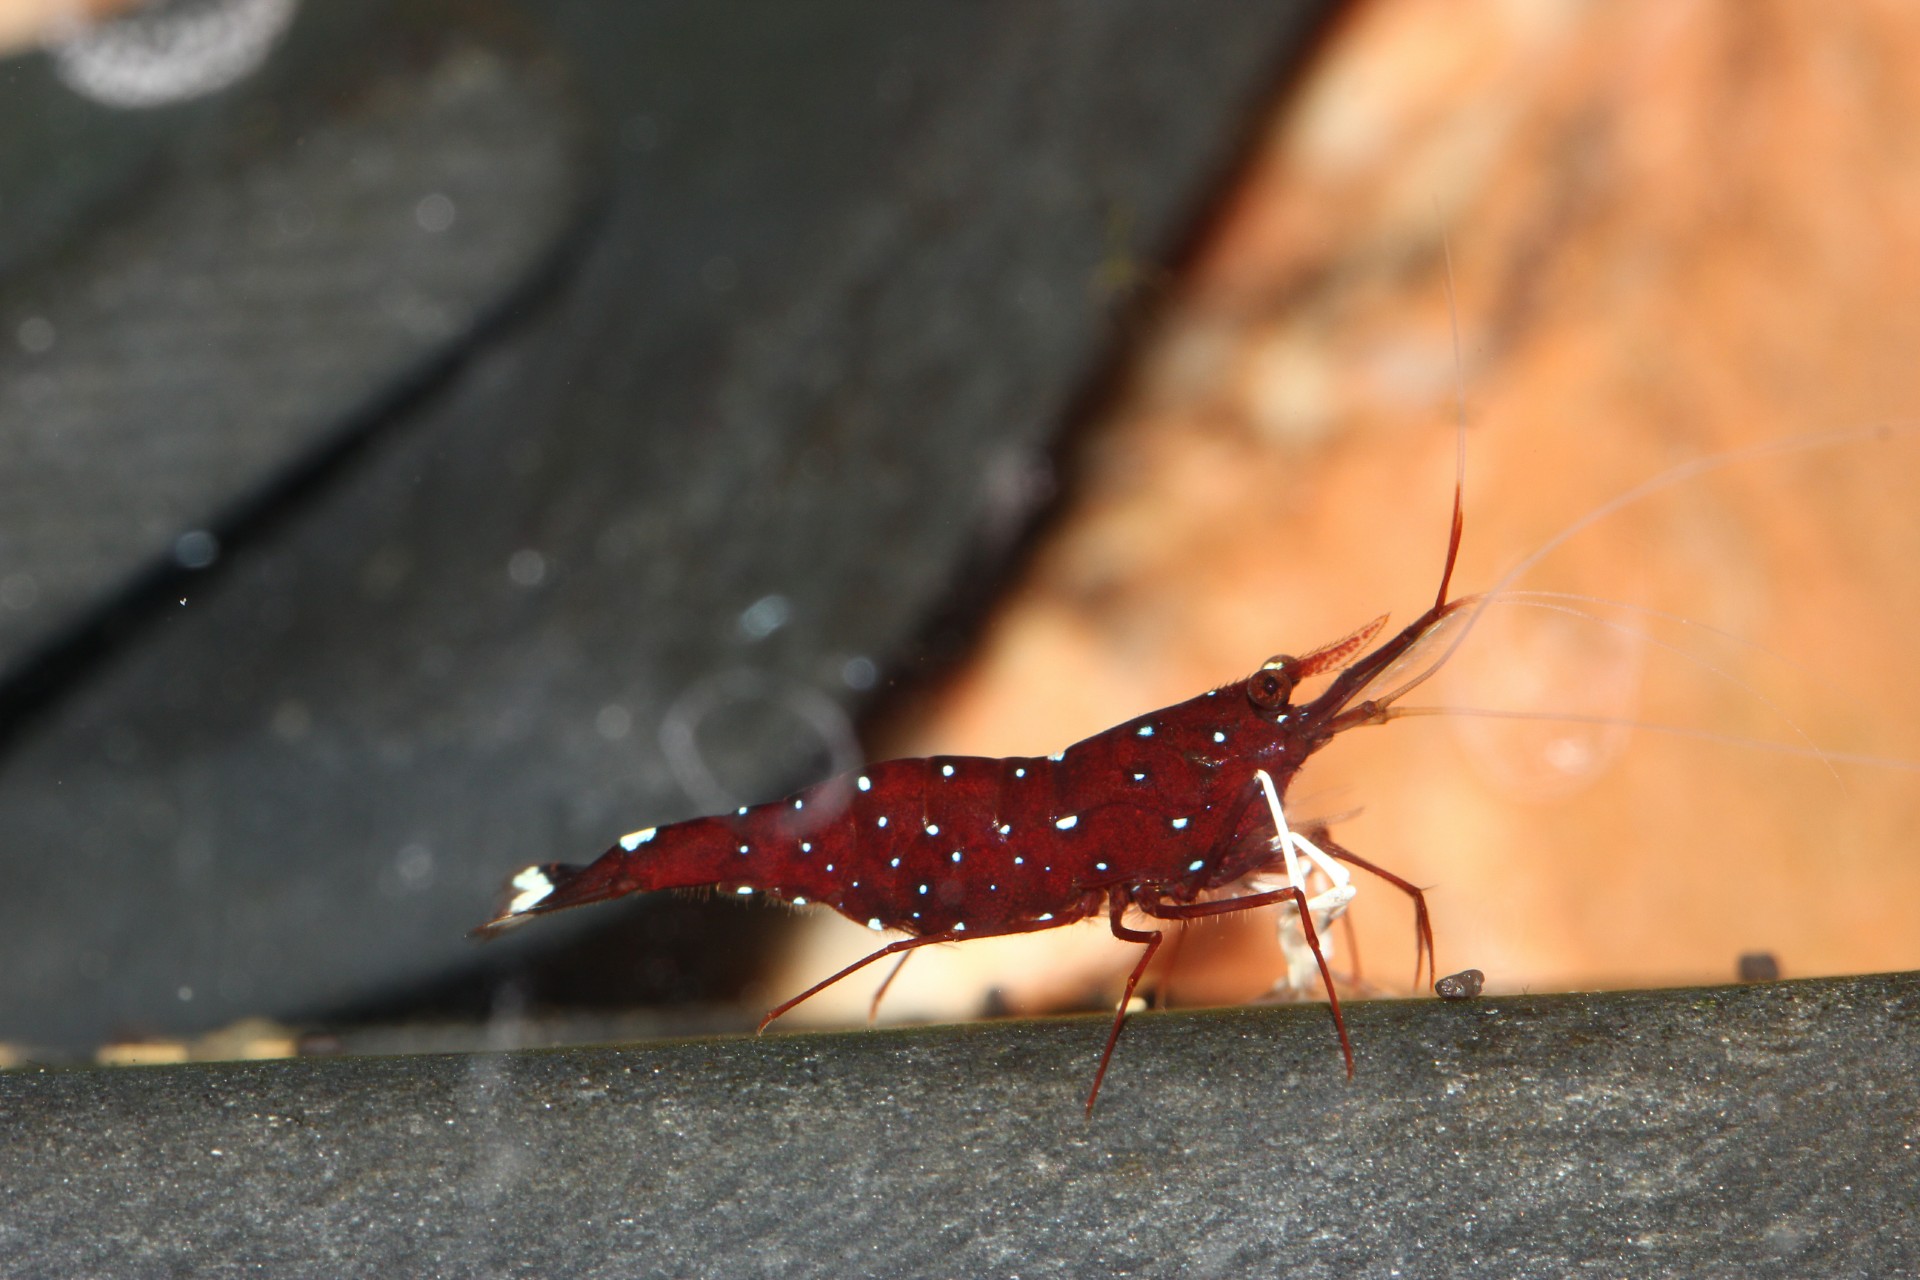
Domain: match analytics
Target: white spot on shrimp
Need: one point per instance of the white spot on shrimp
(745, 890)
(865, 783)
(634, 839)
(959, 927)
(799, 901)
(1145, 731)
(923, 889)
(1005, 828)
(873, 923)
(894, 863)
(1139, 777)
(1281, 718)
(806, 846)
(1067, 823)
(1219, 736)
(1099, 866)
(1196, 864)
(799, 803)
(946, 771)
(1020, 772)
(1057, 756)
(1179, 824)
(1019, 862)
(534, 888)
(829, 866)
(956, 855)
(746, 848)
(933, 828)
(742, 811)
(883, 820)
(1044, 915)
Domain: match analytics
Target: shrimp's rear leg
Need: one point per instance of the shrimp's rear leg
(1148, 938)
(891, 949)
(880, 992)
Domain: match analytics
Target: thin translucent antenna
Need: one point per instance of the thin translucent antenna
(1459, 433)
(1521, 599)
(1678, 619)
(1645, 489)
(1671, 730)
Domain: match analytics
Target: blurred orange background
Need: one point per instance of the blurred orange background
(1676, 229)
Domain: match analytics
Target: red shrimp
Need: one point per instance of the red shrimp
(1175, 814)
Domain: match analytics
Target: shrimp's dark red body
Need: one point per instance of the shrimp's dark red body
(1169, 814)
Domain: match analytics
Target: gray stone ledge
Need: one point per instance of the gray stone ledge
(1739, 1131)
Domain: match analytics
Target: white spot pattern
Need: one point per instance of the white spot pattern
(866, 783)
(634, 839)
(1067, 823)
(534, 888)
(946, 771)
(873, 923)
(1219, 736)
(1145, 731)
(1179, 824)
(933, 828)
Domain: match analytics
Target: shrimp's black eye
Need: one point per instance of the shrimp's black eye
(1272, 684)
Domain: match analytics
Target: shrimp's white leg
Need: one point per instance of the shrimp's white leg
(1303, 971)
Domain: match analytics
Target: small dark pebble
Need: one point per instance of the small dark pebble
(1464, 985)
(1759, 966)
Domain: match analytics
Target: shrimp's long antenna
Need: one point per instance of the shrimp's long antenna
(1897, 763)
(1552, 603)
(1459, 434)
(1658, 483)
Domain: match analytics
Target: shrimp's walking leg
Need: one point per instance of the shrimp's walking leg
(1324, 908)
(1149, 939)
(891, 949)
(880, 992)
(1162, 910)
(1422, 925)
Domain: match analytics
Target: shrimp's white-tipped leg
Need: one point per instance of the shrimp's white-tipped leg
(1327, 906)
